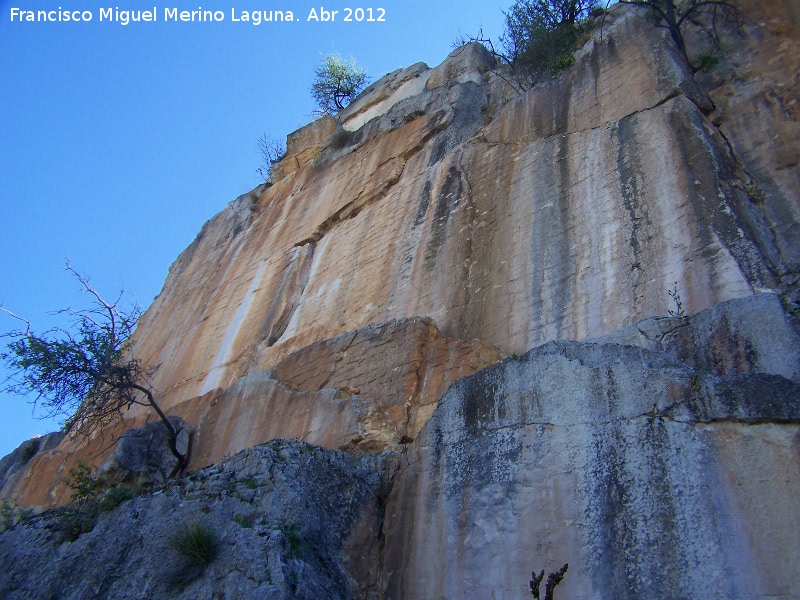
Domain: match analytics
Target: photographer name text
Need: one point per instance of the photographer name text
(199, 15)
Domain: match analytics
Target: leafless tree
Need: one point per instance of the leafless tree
(271, 151)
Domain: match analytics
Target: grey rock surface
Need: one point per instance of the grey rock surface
(282, 513)
(743, 335)
(147, 451)
(651, 477)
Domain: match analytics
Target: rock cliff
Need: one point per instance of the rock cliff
(363, 298)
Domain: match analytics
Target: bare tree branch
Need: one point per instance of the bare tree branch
(27, 323)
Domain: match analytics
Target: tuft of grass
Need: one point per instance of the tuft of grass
(756, 194)
(114, 497)
(293, 535)
(196, 542)
(245, 521)
(708, 60)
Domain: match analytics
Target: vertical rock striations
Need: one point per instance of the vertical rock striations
(650, 477)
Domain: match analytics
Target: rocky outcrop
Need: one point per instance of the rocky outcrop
(755, 91)
(147, 453)
(568, 211)
(651, 478)
(12, 463)
(284, 517)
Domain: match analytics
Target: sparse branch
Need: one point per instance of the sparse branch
(271, 151)
(673, 15)
(11, 314)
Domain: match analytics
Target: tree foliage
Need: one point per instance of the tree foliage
(86, 372)
(673, 15)
(336, 82)
(539, 38)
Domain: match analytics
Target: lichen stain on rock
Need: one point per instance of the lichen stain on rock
(550, 247)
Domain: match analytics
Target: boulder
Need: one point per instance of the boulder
(147, 451)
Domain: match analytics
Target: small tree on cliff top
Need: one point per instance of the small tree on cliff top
(86, 371)
(336, 82)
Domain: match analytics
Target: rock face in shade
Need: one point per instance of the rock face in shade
(445, 222)
(651, 478)
(285, 517)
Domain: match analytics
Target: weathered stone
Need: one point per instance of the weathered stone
(404, 365)
(282, 513)
(744, 335)
(641, 472)
(147, 451)
(450, 220)
(470, 62)
(755, 89)
(362, 391)
(13, 462)
(303, 147)
(571, 214)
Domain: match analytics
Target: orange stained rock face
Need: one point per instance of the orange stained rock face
(450, 208)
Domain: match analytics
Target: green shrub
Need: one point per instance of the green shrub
(85, 482)
(337, 81)
(245, 521)
(541, 36)
(74, 520)
(89, 499)
(11, 514)
(293, 535)
(708, 60)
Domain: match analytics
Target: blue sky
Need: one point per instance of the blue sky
(118, 142)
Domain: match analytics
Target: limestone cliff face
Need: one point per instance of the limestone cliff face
(445, 222)
(663, 467)
(567, 212)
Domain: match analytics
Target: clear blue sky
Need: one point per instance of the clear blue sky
(118, 142)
